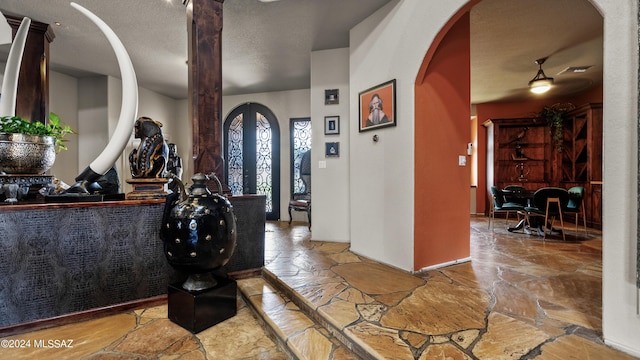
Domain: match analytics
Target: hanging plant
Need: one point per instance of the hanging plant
(554, 115)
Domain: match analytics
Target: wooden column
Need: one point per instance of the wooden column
(32, 99)
(204, 19)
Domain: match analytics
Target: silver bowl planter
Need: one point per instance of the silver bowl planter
(26, 154)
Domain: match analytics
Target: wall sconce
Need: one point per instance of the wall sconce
(540, 84)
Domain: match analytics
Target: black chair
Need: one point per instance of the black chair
(516, 194)
(302, 201)
(499, 205)
(548, 203)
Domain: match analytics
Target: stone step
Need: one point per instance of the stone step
(297, 334)
(308, 302)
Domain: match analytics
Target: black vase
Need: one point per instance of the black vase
(199, 232)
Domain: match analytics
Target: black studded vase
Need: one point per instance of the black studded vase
(199, 232)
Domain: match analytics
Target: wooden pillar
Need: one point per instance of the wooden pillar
(32, 99)
(204, 26)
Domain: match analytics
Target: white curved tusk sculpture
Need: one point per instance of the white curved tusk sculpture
(12, 70)
(128, 111)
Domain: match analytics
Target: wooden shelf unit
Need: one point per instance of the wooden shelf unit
(581, 157)
(521, 152)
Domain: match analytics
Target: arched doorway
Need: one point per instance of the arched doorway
(441, 89)
(252, 154)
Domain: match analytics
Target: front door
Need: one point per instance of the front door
(252, 154)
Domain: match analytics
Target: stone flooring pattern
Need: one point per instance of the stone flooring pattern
(149, 334)
(519, 298)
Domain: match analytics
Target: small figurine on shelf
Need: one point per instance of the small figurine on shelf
(522, 170)
(174, 167)
(149, 160)
(519, 155)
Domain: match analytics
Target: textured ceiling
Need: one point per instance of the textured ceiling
(266, 46)
(507, 37)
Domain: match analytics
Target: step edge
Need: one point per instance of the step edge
(352, 344)
(278, 335)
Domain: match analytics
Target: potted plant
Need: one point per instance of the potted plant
(30, 147)
(554, 115)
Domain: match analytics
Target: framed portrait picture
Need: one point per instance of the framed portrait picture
(332, 149)
(331, 97)
(378, 107)
(332, 125)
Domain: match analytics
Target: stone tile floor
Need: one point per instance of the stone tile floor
(519, 298)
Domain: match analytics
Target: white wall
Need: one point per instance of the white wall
(284, 105)
(63, 100)
(182, 136)
(330, 185)
(390, 44)
(620, 319)
(93, 127)
(394, 42)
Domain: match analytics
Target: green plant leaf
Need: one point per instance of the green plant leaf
(554, 115)
(54, 127)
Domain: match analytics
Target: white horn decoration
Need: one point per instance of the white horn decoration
(12, 70)
(128, 111)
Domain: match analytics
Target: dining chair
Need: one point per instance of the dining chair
(500, 206)
(549, 203)
(575, 206)
(302, 201)
(516, 194)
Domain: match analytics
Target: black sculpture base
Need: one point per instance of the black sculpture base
(200, 310)
(10, 185)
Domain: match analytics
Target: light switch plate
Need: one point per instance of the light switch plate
(462, 160)
(322, 164)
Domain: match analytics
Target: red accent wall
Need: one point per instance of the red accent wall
(442, 114)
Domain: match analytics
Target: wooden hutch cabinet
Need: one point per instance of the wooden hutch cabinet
(581, 157)
(521, 152)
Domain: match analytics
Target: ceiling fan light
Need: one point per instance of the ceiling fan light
(540, 86)
(540, 83)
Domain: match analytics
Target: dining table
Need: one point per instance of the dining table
(520, 196)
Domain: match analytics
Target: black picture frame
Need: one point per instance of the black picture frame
(331, 97)
(332, 149)
(383, 98)
(332, 125)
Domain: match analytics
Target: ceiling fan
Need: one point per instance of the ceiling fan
(541, 83)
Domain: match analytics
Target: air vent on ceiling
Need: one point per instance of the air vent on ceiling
(575, 70)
